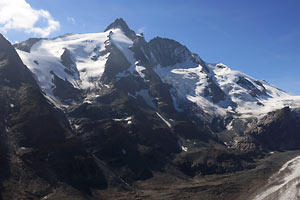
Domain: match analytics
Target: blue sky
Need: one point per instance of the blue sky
(259, 38)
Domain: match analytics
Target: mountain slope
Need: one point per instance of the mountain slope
(29, 125)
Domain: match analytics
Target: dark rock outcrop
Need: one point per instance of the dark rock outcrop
(169, 52)
(120, 23)
(69, 62)
(279, 130)
(27, 44)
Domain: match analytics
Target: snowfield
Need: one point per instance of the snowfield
(190, 84)
(44, 59)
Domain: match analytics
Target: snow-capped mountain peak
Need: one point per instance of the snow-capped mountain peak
(93, 63)
(121, 24)
(78, 59)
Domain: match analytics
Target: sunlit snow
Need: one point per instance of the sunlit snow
(190, 84)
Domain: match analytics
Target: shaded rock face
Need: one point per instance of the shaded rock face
(214, 92)
(120, 23)
(254, 92)
(213, 161)
(65, 90)
(169, 52)
(142, 52)
(279, 130)
(25, 101)
(27, 44)
(133, 83)
(17, 73)
(115, 64)
(69, 62)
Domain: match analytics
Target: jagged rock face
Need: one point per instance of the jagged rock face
(278, 130)
(169, 52)
(23, 101)
(214, 92)
(69, 62)
(254, 91)
(116, 63)
(27, 112)
(16, 73)
(142, 52)
(120, 23)
(26, 45)
(65, 90)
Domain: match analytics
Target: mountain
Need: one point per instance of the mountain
(87, 113)
(163, 73)
(80, 63)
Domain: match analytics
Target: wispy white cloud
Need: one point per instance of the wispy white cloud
(71, 20)
(142, 29)
(19, 15)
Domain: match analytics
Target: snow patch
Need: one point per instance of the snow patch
(183, 148)
(140, 70)
(164, 120)
(76, 126)
(229, 126)
(125, 119)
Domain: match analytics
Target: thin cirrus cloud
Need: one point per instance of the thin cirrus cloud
(71, 20)
(19, 15)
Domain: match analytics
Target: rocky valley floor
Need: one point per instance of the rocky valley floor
(243, 185)
(240, 185)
